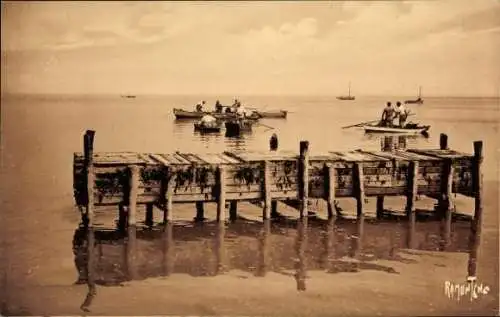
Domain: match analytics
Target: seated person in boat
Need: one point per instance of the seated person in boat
(218, 107)
(208, 121)
(199, 106)
(387, 115)
(401, 113)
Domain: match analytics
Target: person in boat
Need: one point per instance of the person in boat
(199, 106)
(208, 121)
(218, 107)
(387, 115)
(401, 113)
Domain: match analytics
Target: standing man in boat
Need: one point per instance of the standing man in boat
(218, 107)
(401, 113)
(387, 115)
(199, 106)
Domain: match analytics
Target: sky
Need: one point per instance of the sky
(261, 47)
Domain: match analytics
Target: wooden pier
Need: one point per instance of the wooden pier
(147, 180)
(131, 180)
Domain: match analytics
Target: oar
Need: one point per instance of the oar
(269, 127)
(368, 122)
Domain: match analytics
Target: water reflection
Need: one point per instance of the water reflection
(289, 247)
(391, 142)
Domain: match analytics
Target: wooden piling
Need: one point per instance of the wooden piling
(88, 142)
(358, 240)
(476, 226)
(263, 248)
(359, 188)
(134, 188)
(233, 210)
(446, 204)
(122, 217)
(301, 245)
(266, 212)
(149, 221)
(380, 207)
(330, 190)
(200, 212)
(168, 248)
(169, 194)
(304, 178)
(443, 141)
(411, 198)
(221, 201)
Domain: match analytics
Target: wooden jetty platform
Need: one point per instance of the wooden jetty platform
(130, 180)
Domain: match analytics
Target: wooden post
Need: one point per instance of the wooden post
(304, 178)
(122, 217)
(263, 248)
(220, 252)
(134, 188)
(410, 200)
(446, 204)
(301, 245)
(380, 207)
(443, 141)
(149, 215)
(221, 202)
(88, 142)
(266, 212)
(169, 194)
(233, 210)
(476, 226)
(168, 248)
(330, 190)
(358, 241)
(200, 212)
(359, 188)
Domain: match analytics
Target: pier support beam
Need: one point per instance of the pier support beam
(476, 226)
(410, 200)
(380, 207)
(359, 187)
(266, 212)
(330, 190)
(233, 210)
(168, 190)
(88, 148)
(304, 178)
(200, 212)
(149, 215)
(221, 202)
(443, 141)
(446, 204)
(132, 197)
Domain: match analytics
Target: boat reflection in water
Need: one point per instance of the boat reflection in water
(290, 247)
(391, 142)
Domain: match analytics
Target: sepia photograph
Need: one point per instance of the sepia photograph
(250, 158)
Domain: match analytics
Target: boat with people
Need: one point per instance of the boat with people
(409, 128)
(238, 126)
(186, 114)
(419, 100)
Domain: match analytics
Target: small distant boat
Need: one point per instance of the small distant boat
(348, 97)
(410, 128)
(129, 96)
(419, 100)
(237, 126)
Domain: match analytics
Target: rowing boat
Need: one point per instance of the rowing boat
(236, 127)
(184, 114)
(408, 129)
(207, 128)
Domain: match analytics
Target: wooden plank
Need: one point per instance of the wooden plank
(181, 159)
(230, 159)
(159, 159)
(441, 153)
(411, 156)
(236, 156)
(211, 159)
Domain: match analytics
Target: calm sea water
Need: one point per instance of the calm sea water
(40, 133)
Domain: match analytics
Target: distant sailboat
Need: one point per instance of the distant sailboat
(349, 97)
(419, 100)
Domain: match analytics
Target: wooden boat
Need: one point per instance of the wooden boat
(184, 114)
(408, 129)
(274, 114)
(419, 100)
(237, 126)
(348, 97)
